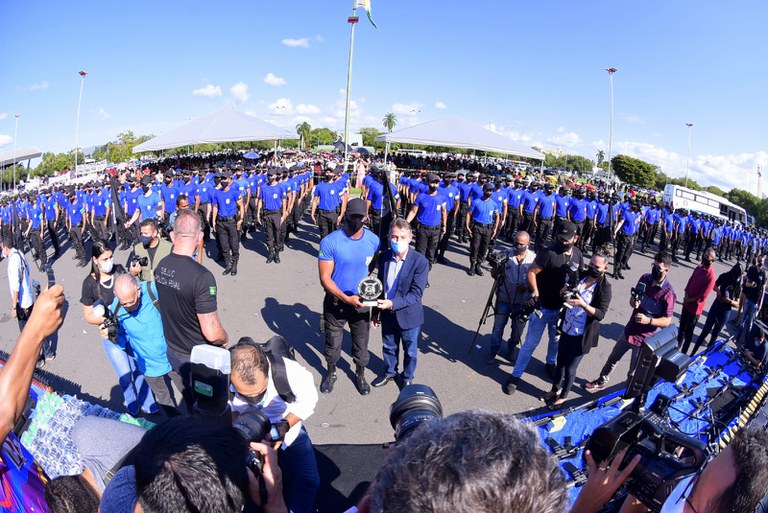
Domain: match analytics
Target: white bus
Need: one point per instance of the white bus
(704, 203)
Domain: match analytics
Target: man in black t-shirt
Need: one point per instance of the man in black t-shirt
(187, 300)
(753, 290)
(546, 278)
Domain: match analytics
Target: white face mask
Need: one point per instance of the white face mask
(106, 266)
(675, 503)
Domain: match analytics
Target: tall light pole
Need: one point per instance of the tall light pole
(688, 160)
(610, 71)
(352, 20)
(15, 136)
(77, 123)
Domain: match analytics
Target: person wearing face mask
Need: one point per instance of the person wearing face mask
(429, 209)
(149, 204)
(652, 312)
(404, 274)
(697, 290)
(546, 278)
(482, 223)
(326, 197)
(99, 286)
(346, 257)
(256, 385)
(513, 294)
(272, 203)
(75, 224)
(168, 191)
(580, 325)
(151, 247)
(140, 335)
(625, 232)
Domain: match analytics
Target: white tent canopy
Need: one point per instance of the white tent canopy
(454, 132)
(224, 125)
(8, 158)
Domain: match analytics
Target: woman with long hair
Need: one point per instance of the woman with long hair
(98, 285)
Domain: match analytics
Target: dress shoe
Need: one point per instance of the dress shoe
(406, 382)
(382, 380)
(510, 387)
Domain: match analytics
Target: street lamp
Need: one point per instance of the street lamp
(688, 161)
(610, 71)
(77, 123)
(15, 136)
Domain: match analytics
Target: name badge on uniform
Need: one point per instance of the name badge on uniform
(227, 201)
(274, 196)
(333, 192)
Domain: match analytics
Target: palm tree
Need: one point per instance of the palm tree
(304, 130)
(389, 121)
(600, 157)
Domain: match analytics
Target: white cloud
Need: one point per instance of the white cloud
(568, 139)
(303, 42)
(440, 105)
(103, 114)
(307, 108)
(512, 134)
(3, 115)
(239, 92)
(302, 119)
(40, 86)
(282, 107)
(319, 38)
(406, 109)
(209, 91)
(273, 80)
(5, 139)
(329, 121)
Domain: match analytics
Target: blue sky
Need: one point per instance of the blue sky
(533, 71)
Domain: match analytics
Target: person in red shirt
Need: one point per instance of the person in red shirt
(699, 286)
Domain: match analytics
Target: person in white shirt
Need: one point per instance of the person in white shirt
(254, 386)
(22, 293)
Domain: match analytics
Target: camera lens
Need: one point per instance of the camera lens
(253, 425)
(415, 404)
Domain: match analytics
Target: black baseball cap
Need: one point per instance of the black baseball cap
(488, 187)
(357, 206)
(566, 231)
(432, 177)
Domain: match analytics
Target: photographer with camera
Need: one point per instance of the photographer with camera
(148, 253)
(586, 306)
(512, 297)
(140, 334)
(733, 481)
(284, 391)
(546, 278)
(97, 294)
(653, 304)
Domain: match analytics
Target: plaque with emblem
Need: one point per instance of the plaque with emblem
(370, 290)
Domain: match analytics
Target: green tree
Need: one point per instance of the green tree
(323, 136)
(304, 131)
(715, 190)
(634, 171)
(389, 121)
(369, 135)
(600, 157)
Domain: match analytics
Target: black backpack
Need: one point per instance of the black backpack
(276, 349)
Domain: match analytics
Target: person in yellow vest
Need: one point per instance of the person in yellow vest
(148, 252)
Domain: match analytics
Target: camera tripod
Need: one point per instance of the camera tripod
(498, 282)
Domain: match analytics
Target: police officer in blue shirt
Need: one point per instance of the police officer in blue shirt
(326, 199)
(450, 192)
(101, 204)
(625, 233)
(651, 220)
(34, 232)
(273, 206)
(75, 214)
(465, 187)
(544, 216)
(514, 197)
(51, 220)
(379, 207)
(694, 232)
(168, 191)
(130, 205)
(528, 204)
(681, 225)
(482, 222)
(228, 215)
(429, 208)
(577, 213)
(203, 208)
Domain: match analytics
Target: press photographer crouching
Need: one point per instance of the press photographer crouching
(148, 252)
(282, 389)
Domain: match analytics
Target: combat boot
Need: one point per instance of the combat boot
(227, 264)
(271, 257)
(360, 383)
(233, 272)
(326, 386)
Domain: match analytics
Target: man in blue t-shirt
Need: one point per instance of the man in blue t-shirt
(227, 220)
(430, 211)
(346, 257)
(482, 222)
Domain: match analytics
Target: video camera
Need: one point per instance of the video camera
(498, 259)
(211, 367)
(666, 456)
(101, 309)
(571, 284)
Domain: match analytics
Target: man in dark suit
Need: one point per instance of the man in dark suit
(404, 274)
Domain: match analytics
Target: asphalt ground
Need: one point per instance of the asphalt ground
(286, 299)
